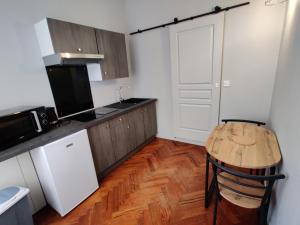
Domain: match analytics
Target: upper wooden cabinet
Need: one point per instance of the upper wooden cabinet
(113, 46)
(56, 36)
(72, 38)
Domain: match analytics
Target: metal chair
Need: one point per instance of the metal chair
(244, 190)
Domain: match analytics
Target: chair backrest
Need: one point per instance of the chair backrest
(244, 121)
(238, 179)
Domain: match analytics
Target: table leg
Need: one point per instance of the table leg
(209, 188)
(206, 182)
(272, 170)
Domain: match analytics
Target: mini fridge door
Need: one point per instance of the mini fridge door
(66, 171)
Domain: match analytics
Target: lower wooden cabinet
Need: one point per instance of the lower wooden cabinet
(119, 136)
(115, 139)
(139, 126)
(130, 131)
(150, 120)
(102, 146)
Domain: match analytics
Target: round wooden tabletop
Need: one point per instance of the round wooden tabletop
(244, 145)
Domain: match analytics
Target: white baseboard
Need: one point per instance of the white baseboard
(181, 140)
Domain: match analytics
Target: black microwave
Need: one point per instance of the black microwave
(20, 124)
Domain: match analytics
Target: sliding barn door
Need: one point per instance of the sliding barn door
(196, 59)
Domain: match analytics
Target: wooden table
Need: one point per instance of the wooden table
(243, 145)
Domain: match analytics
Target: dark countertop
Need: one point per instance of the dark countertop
(66, 128)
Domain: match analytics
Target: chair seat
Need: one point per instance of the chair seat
(240, 199)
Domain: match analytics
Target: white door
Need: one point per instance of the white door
(196, 59)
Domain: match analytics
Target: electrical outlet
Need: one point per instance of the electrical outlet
(274, 2)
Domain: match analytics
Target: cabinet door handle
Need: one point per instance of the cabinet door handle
(120, 119)
(128, 127)
(79, 49)
(69, 145)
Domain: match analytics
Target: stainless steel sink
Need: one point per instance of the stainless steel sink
(120, 105)
(126, 103)
(134, 100)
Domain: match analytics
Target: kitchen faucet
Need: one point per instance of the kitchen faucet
(121, 98)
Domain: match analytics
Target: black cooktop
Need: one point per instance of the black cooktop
(86, 116)
(93, 114)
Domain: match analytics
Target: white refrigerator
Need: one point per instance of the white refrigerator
(66, 171)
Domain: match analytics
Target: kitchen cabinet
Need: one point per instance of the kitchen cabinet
(137, 117)
(56, 36)
(72, 38)
(101, 143)
(130, 130)
(115, 139)
(149, 114)
(112, 140)
(124, 134)
(113, 46)
(119, 136)
(19, 171)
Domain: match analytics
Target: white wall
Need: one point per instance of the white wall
(251, 48)
(23, 78)
(285, 120)
(252, 38)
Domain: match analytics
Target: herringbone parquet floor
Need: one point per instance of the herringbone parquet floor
(163, 184)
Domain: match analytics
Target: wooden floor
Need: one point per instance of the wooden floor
(162, 184)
